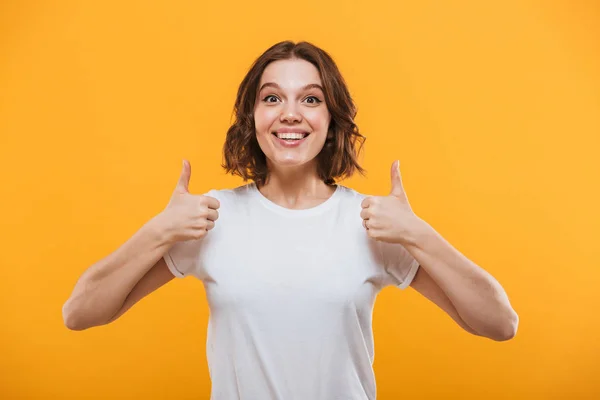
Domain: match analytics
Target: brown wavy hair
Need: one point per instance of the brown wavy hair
(339, 156)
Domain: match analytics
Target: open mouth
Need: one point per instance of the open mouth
(291, 137)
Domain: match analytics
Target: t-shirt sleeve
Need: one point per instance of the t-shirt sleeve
(185, 258)
(400, 266)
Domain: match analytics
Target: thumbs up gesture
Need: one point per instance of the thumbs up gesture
(189, 216)
(389, 218)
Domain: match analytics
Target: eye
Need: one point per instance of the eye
(270, 99)
(313, 100)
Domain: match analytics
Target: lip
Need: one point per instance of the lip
(291, 130)
(295, 143)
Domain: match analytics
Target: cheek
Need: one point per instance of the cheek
(318, 119)
(264, 118)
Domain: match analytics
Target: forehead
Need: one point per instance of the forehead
(294, 73)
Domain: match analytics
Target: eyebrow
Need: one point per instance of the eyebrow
(309, 86)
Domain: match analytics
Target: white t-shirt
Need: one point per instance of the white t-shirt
(291, 295)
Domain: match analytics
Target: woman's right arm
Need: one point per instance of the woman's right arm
(112, 285)
(102, 289)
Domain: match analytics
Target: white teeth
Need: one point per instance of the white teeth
(290, 135)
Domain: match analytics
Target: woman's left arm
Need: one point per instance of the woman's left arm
(477, 298)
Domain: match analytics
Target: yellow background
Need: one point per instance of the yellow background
(492, 108)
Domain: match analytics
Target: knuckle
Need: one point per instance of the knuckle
(203, 211)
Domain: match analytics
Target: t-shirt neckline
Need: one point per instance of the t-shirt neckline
(318, 209)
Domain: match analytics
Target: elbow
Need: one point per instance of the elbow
(71, 318)
(77, 319)
(509, 328)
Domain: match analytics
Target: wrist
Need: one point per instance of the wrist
(417, 233)
(159, 229)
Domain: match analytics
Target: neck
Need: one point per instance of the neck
(296, 188)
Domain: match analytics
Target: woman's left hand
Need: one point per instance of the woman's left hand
(390, 218)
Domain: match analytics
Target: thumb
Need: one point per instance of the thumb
(397, 187)
(184, 178)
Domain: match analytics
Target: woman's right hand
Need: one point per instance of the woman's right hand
(188, 216)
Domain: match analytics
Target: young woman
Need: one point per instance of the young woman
(292, 262)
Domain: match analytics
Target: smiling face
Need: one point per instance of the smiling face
(290, 114)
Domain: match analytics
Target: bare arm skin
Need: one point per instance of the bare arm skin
(111, 286)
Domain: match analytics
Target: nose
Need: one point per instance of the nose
(290, 114)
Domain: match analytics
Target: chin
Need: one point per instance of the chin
(287, 162)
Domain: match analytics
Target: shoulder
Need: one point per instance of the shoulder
(351, 197)
(350, 207)
(352, 193)
(233, 198)
(229, 197)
